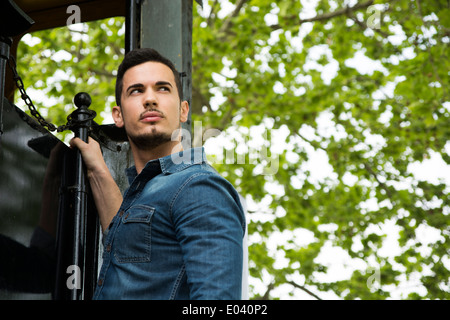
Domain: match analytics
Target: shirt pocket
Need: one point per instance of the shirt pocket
(132, 241)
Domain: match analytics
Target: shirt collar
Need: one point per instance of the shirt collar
(170, 164)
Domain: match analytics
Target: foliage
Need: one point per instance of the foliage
(281, 76)
(81, 57)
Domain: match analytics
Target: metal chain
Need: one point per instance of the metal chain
(26, 98)
(71, 122)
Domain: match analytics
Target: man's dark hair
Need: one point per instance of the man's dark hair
(139, 56)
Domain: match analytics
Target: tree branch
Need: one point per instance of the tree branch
(102, 73)
(212, 13)
(266, 295)
(381, 184)
(364, 26)
(292, 283)
(329, 15)
(314, 144)
(227, 24)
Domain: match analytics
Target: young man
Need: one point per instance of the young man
(178, 231)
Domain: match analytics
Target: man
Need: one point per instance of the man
(177, 233)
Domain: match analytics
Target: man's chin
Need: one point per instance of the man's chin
(150, 141)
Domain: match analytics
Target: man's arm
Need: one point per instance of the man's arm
(210, 225)
(107, 195)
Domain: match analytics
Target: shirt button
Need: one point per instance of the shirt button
(108, 248)
(121, 213)
(100, 282)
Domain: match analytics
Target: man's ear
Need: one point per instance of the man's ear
(184, 111)
(117, 116)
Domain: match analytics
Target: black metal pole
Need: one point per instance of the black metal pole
(13, 21)
(82, 114)
(132, 25)
(5, 44)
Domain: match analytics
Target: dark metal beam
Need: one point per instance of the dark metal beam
(166, 26)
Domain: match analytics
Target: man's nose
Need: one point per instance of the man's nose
(150, 100)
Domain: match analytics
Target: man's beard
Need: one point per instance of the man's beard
(149, 141)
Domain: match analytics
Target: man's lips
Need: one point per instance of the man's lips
(151, 116)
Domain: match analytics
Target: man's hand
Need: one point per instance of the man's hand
(91, 153)
(107, 195)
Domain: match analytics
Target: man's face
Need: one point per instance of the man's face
(151, 109)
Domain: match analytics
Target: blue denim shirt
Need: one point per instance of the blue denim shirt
(177, 235)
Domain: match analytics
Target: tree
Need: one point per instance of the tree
(280, 83)
(80, 57)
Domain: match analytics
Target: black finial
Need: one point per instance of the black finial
(82, 99)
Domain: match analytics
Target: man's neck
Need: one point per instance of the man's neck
(141, 157)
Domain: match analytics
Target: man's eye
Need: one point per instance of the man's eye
(164, 89)
(134, 91)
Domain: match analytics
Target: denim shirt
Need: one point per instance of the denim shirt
(177, 235)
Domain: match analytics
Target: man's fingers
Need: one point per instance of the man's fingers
(72, 143)
(91, 152)
(78, 143)
(75, 142)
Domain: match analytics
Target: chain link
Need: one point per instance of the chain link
(26, 98)
(71, 122)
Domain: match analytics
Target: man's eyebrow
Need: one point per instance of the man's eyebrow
(135, 86)
(163, 83)
(140, 85)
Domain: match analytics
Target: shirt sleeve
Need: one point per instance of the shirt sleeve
(210, 226)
